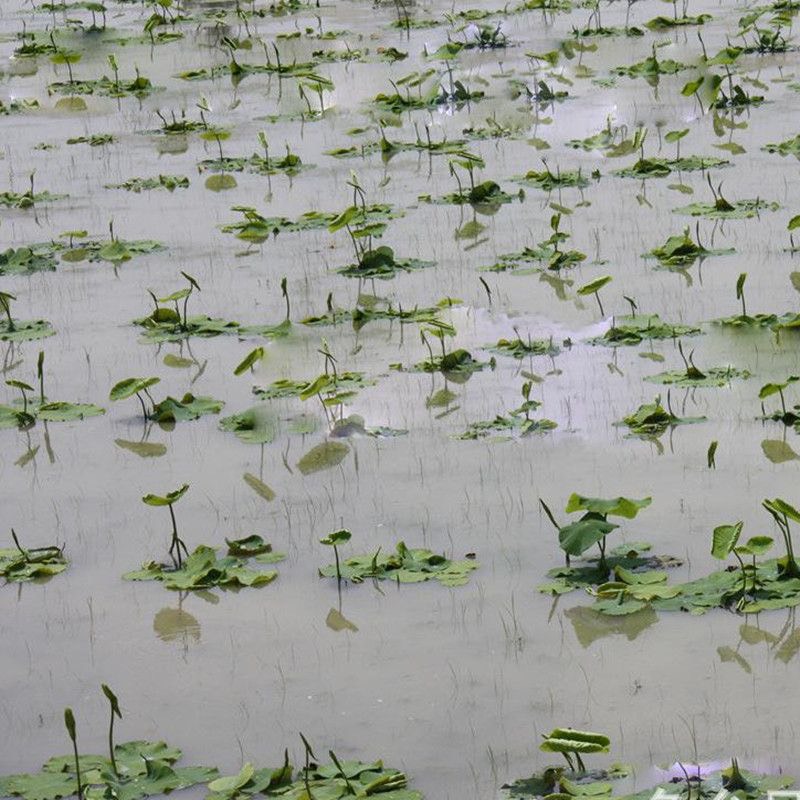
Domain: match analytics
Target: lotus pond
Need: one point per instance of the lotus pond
(399, 398)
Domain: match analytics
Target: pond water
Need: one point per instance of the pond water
(453, 685)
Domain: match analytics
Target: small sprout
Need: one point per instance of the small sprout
(168, 500)
(23, 387)
(740, 291)
(332, 540)
(135, 386)
(249, 361)
(711, 455)
(594, 288)
(675, 137)
(40, 374)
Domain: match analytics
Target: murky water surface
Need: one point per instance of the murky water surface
(453, 685)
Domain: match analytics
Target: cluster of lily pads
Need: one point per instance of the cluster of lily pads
(623, 580)
(139, 769)
(629, 579)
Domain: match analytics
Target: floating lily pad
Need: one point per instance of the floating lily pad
(404, 566)
(662, 167)
(519, 348)
(25, 330)
(682, 251)
(204, 569)
(550, 181)
(652, 420)
(144, 769)
(714, 376)
(341, 383)
(739, 209)
(187, 408)
(25, 260)
(785, 148)
(19, 565)
(256, 228)
(629, 330)
(137, 185)
(66, 412)
(27, 199)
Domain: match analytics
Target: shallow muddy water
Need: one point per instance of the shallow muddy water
(453, 685)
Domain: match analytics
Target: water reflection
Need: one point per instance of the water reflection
(783, 645)
(590, 625)
(177, 625)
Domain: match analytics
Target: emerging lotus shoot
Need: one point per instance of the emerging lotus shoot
(115, 712)
(69, 722)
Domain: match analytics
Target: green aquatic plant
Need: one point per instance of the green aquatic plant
(341, 385)
(42, 409)
(69, 724)
(165, 324)
(189, 407)
(144, 769)
(516, 421)
(781, 512)
(333, 540)
(176, 543)
(692, 376)
(371, 261)
(651, 68)
(651, 420)
(115, 712)
(204, 568)
(257, 228)
(26, 260)
(521, 348)
(291, 164)
(722, 208)
(758, 320)
(593, 527)
(642, 583)
(546, 255)
(784, 415)
(571, 743)
(139, 86)
(594, 287)
(405, 565)
(250, 360)
(633, 329)
(682, 251)
(548, 181)
(135, 386)
(20, 564)
(97, 140)
(559, 782)
(28, 199)
(485, 197)
(12, 330)
(137, 185)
